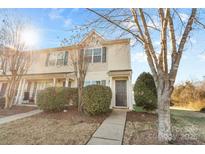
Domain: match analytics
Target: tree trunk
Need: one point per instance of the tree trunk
(10, 93)
(164, 121)
(8, 102)
(80, 93)
(79, 99)
(9, 99)
(6, 106)
(7, 96)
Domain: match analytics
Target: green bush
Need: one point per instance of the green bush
(71, 95)
(138, 108)
(55, 99)
(96, 99)
(145, 92)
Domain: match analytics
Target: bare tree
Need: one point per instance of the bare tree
(80, 66)
(14, 58)
(79, 62)
(172, 31)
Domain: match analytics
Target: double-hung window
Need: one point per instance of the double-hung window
(57, 58)
(60, 58)
(52, 59)
(88, 55)
(97, 55)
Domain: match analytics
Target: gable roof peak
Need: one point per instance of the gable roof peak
(90, 34)
(95, 32)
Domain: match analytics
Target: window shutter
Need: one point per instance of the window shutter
(66, 58)
(47, 58)
(104, 54)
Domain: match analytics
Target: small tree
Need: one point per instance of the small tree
(80, 66)
(145, 92)
(79, 60)
(14, 58)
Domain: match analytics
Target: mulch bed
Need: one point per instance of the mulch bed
(62, 128)
(141, 128)
(15, 110)
(141, 116)
(72, 114)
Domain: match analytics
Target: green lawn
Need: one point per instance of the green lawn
(138, 109)
(189, 124)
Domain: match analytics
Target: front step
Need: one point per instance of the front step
(121, 108)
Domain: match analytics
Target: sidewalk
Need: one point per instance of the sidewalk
(18, 116)
(111, 130)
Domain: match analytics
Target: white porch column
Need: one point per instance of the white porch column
(41, 86)
(110, 82)
(0, 85)
(66, 82)
(44, 85)
(37, 88)
(113, 92)
(54, 82)
(130, 93)
(18, 91)
(21, 92)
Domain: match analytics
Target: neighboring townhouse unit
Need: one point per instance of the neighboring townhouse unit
(109, 64)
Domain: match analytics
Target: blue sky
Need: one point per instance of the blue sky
(52, 26)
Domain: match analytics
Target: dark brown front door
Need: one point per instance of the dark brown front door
(121, 92)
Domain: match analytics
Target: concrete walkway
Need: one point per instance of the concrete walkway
(111, 130)
(18, 116)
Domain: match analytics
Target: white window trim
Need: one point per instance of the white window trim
(92, 48)
(51, 54)
(84, 50)
(61, 52)
(56, 58)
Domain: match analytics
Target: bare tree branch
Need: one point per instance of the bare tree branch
(185, 35)
(137, 36)
(15, 59)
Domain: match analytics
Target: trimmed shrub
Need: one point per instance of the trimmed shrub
(54, 99)
(71, 95)
(145, 92)
(96, 99)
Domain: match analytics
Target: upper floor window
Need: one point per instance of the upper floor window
(88, 54)
(59, 58)
(96, 55)
(51, 59)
